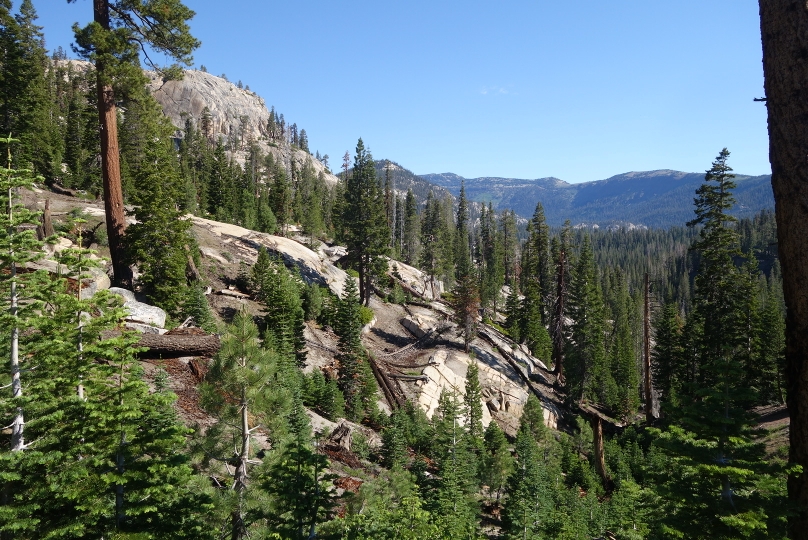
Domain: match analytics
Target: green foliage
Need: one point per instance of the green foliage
(297, 483)
(105, 456)
(365, 315)
(366, 232)
(497, 462)
(279, 291)
(355, 376)
(160, 242)
(713, 460)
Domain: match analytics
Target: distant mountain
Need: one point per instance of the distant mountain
(404, 179)
(653, 198)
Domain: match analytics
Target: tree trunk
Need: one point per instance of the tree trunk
(558, 322)
(171, 346)
(600, 458)
(646, 351)
(18, 426)
(110, 161)
(784, 32)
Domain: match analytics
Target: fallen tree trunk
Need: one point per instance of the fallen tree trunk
(172, 346)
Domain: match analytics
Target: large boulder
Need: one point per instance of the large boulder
(138, 312)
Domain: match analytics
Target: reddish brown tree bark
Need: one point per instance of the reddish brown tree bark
(784, 33)
(110, 160)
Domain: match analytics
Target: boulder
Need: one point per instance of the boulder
(144, 313)
(128, 296)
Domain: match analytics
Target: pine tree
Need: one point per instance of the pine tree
(113, 43)
(297, 481)
(107, 455)
(161, 236)
(473, 405)
(279, 292)
(452, 499)
(411, 229)
(715, 464)
(497, 463)
(355, 381)
(667, 354)
(236, 393)
(587, 375)
(367, 235)
(529, 503)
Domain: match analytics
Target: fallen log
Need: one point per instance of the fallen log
(173, 346)
(61, 190)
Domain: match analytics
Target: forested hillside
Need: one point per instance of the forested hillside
(298, 355)
(652, 199)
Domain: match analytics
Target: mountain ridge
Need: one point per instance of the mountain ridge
(657, 198)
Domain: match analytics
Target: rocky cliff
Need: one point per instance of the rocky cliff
(234, 112)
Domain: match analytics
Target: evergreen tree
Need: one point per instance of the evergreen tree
(298, 483)
(279, 292)
(667, 353)
(497, 463)
(473, 405)
(161, 236)
(355, 378)
(715, 464)
(588, 374)
(529, 501)
(452, 499)
(236, 393)
(367, 235)
(411, 230)
(113, 43)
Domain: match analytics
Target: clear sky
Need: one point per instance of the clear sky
(576, 89)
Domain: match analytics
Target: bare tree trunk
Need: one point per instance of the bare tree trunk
(646, 351)
(18, 426)
(600, 458)
(238, 529)
(558, 321)
(110, 161)
(784, 32)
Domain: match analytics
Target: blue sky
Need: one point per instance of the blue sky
(580, 89)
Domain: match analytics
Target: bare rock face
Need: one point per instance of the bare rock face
(235, 113)
(313, 268)
(416, 281)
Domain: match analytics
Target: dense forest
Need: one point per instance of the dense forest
(94, 447)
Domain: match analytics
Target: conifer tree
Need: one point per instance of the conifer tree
(238, 393)
(667, 354)
(355, 377)
(411, 230)
(297, 481)
(106, 458)
(278, 290)
(497, 463)
(529, 502)
(588, 374)
(716, 463)
(367, 235)
(113, 42)
(473, 405)
(161, 236)
(452, 499)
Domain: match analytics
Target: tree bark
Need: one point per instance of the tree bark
(646, 351)
(171, 346)
(110, 160)
(784, 33)
(558, 321)
(600, 456)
